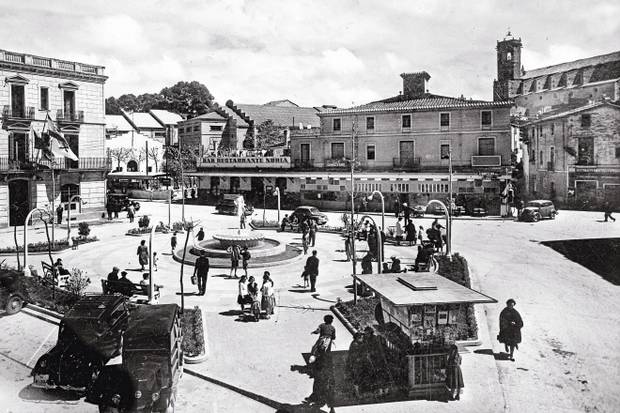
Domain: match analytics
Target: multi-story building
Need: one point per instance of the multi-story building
(218, 130)
(401, 146)
(71, 94)
(574, 155)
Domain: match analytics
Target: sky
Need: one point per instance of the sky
(313, 52)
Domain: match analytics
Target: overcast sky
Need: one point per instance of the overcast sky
(312, 52)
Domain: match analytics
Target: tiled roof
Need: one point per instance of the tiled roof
(425, 103)
(213, 115)
(576, 64)
(280, 115)
(241, 123)
(117, 122)
(143, 120)
(166, 117)
(569, 110)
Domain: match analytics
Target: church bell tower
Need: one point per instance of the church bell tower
(508, 66)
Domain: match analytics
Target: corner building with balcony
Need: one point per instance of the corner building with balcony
(401, 147)
(72, 95)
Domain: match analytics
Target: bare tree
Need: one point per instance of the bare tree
(153, 154)
(120, 155)
(137, 155)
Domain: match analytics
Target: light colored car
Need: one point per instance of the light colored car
(538, 209)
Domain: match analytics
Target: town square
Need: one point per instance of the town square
(374, 232)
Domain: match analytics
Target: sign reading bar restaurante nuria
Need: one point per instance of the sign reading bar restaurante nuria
(245, 162)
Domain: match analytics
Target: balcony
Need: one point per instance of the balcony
(406, 164)
(244, 162)
(303, 164)
(10, 113)
(550, 166)
(486, 160)
(86, 163)
(70, 117)
(336, 163)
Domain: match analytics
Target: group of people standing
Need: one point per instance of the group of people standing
(263, 299)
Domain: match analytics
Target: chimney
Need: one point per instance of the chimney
(414, 84)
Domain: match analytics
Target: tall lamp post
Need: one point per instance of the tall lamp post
(382, 207)
(69, 214)
(277, 192)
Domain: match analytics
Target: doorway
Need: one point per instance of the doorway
(19, 202)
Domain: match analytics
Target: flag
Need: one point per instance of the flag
(58, 144)
(42, 142)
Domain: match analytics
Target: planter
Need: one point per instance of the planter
(41, 247)
(194, 336)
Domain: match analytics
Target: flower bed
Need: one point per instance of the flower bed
(42, 245)
(193, 335)
(360, 315)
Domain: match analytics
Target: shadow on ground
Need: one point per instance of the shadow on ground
(38, 395)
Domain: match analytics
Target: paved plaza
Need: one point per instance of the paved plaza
(566, 362)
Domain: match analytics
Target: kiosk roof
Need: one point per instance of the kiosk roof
(421, 288)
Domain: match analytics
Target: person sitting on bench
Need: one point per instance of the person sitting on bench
(124, 285)
(145, 284)
(395, 264)
(58, 266)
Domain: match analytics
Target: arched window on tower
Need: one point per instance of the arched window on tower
(509, 56)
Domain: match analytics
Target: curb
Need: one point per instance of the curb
(43, 314)
(343, 320)
(203, 357)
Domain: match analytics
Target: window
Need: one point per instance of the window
(337, 150)
(444, 120)
(336, 125)
(552, 128)
(586, 121)
(617, 151)
(196, 128)
(370, 123)
(486, 118)
(541, 159)
(486, 146)
(370, 152)
(45, 99)
(444, 151)
(509, 56)
(552, 155)
(406, 121)
(215, 127)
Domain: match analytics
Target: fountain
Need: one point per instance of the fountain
(264, 251)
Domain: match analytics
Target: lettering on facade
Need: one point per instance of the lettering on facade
(231, 161)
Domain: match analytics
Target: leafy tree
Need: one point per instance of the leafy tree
(148, 101)
(112, 107)
(192, 98)
(129, 103)
(269, 134)
(176, 158)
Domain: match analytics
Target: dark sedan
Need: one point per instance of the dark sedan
(303, 212)
(536, 210)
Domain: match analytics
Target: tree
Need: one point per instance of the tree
(192, 98)
(269, 134)
(153, 154)
(138, 155)
(112, 106)
(129, 103)
(119, 155)
(185, 155)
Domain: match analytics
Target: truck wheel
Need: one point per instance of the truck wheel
(14, 305)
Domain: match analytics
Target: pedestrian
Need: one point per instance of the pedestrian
(421, 234)
(348, 247)
(112, 279)
(323, 384)
(253, 294)
(243, 297)
(454, 375)
(396, 208)
(312, 229)
(173, 242)
(312, 266)
(193, 193)
(327, 335)
(155, 259)
(60, 210)
(131, 212)
(367, 263)
(143, 254)
(304, 243)
(201, 272)
(410, 233)
(520, 207)
(303, 226)
(435, 223)
(399, 230)
(109, 210)
(245, 257)
(371, 239)
(268, 301)
(608, 210)
(242, 220)
(124, 286)
(200, 235)
(285, 222)
(116, 212)
(406, 213)
(59, 267)
(235, 255)
(510, 324)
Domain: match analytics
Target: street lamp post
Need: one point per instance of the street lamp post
(277, 192)
(69, 215)
(449, 229)
(151, 263)
(382, 207)
(42, 211)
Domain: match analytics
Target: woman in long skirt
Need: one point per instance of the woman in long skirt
(143, 254)
(454, 376)
(268, 301)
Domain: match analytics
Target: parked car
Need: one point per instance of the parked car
(458, 210)
(435, 209)
(418, 211)
(152, 364)
(303, 212)
(538, 209)
(478, 212)
(13, 292)
(89, 335)
(229, 205)
(120, 202)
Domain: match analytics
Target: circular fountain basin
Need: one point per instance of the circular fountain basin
(242, 238)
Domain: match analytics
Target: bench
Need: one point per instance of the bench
(50, 275)
(137, 292)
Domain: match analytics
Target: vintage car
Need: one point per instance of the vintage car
(120, 202)
(89, 335)
(229, 205)
(417, 211)
(13, 292)
(538, 209)
(152, 364)
(303, 212)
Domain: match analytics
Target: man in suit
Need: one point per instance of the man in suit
(312, 267)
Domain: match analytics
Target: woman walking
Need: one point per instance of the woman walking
(143, 254)
(235, 255)
(510, 324)
(268, 301)
(454, 375)
(410, 231)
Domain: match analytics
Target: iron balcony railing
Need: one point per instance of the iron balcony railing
(406, 164)
(75, 116)
(303, 163)
(24, 112)
(92, 163)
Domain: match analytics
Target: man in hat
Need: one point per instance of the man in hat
(312, 267)
(124, 285)
(112, 279)
(201, 271)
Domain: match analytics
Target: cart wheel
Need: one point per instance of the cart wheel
(14, 305)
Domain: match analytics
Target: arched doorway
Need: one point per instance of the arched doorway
(19, 201)
(132, 166)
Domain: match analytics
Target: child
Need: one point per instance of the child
(155, 259)
(304, 243)
(421, 234)
(305, 276)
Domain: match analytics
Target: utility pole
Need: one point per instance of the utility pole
(449, 229)
(353, 260)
